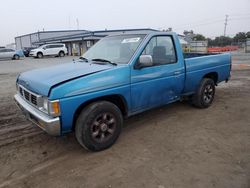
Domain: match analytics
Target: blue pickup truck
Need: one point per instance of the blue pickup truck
(119, 76)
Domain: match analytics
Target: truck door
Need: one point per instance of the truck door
(160, 83)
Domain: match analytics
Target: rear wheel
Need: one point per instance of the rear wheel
(204, 96)
(39, 55)
(98, 126)
(61, 54)
(16, 57)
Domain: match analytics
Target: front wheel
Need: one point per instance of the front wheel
(204, 95)
(39, 55)
(98, 126)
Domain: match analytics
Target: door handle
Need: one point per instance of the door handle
(177, 72)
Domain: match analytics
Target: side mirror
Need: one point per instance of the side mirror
(44, 48)
(144, 61)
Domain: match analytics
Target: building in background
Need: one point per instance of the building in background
(247, 48)
(30, 40)
(184, 43)
(188, 35)
(198, 46)
(193, 45)
(77, 41)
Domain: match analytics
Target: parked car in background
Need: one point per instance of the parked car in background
(26, 51)
(6, 53)
(20, 53)
(49, 50)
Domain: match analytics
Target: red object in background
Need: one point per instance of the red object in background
(223, 49)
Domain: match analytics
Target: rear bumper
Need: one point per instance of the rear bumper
(50, 125)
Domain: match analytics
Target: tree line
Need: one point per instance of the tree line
(238, 39)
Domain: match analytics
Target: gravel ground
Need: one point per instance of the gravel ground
(172, 146)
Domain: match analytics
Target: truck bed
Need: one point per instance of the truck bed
(198, 65)
(191, 55)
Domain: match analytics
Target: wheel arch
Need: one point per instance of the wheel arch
(116, 99)
(39, 52)
(213, 76)
(15, 56)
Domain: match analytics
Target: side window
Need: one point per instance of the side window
(9, 50)
(162, 50)
(56, 46)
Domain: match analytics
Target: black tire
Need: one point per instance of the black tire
(61, 54)
(98, 125)
(16, 57)
(204, 95)
(39, 55)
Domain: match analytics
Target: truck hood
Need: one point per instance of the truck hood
(40, 81)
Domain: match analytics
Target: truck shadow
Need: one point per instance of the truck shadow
(32, 137)
(42, 150)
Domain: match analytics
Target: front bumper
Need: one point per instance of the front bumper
(50, 125)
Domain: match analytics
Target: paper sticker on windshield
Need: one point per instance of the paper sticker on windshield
(130, 40)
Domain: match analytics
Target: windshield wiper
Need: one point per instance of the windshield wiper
(104, 60)
(84, 59)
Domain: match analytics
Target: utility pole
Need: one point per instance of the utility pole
(69, 22)
(225, 27)
(77, 23)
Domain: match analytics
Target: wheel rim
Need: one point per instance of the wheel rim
(208, 93)
(61, 54)
(39, 55)
(103, 127)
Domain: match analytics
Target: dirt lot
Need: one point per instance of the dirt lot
(173, 146)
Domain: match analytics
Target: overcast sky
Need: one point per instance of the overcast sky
(203, 16)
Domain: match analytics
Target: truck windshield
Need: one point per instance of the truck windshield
(116, 49)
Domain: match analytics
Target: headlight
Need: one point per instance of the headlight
(51, 107)
(45, 104)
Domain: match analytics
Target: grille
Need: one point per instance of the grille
(21, 90)
(33, 99)
(29, 96)
(26, 95)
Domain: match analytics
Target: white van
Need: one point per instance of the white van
(49, 50)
